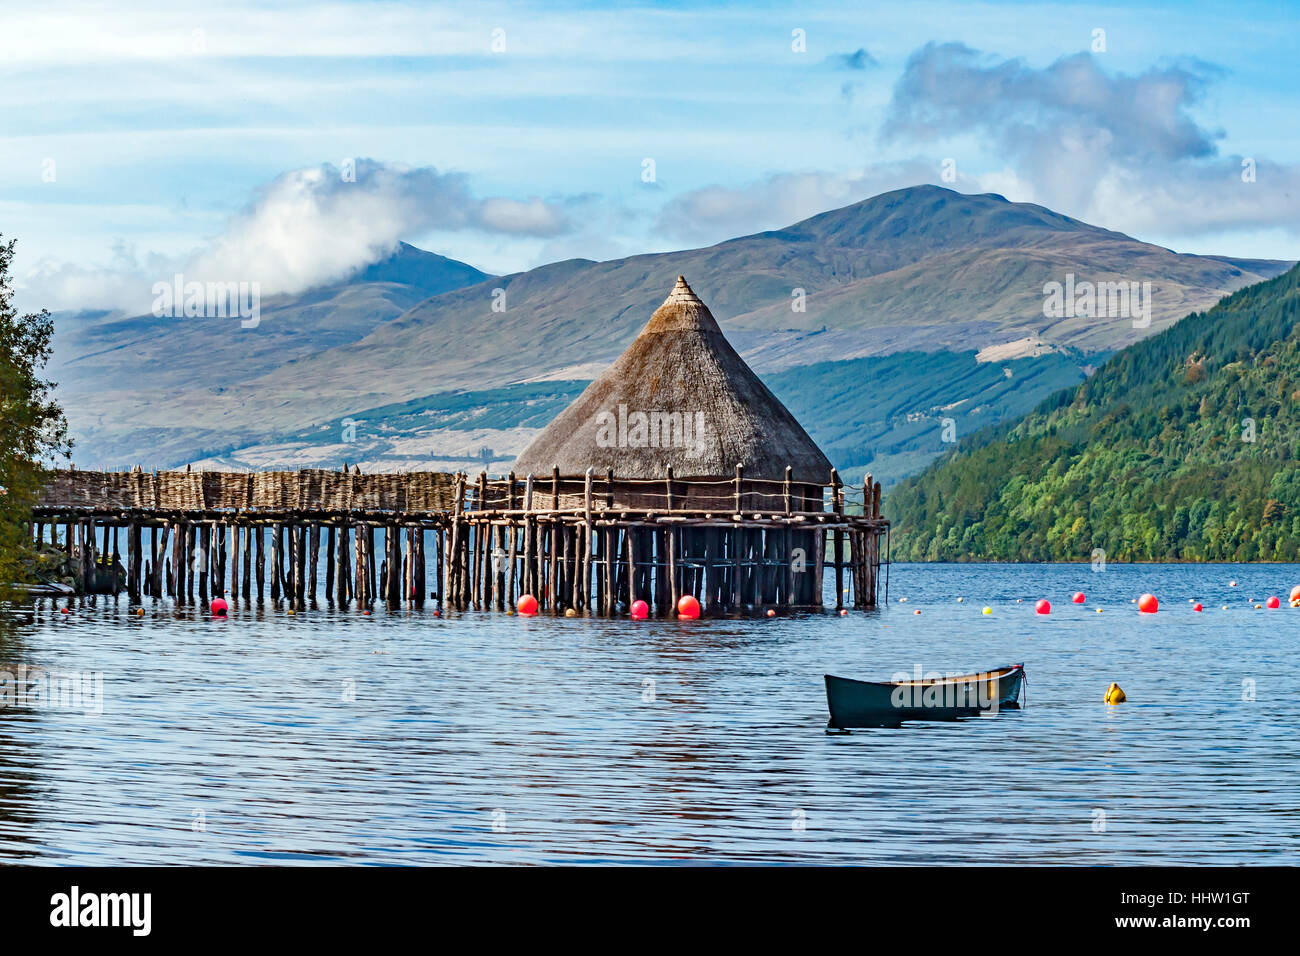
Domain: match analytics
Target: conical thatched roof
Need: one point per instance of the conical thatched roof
(644, 413)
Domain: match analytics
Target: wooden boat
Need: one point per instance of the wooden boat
(856, 703)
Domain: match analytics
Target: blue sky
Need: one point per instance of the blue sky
(216, 137)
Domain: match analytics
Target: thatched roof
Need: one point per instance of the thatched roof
(644, 412)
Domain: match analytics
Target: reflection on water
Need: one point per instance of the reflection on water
(407, 738)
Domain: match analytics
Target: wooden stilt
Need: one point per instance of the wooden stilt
(259, 534)
(313, 558)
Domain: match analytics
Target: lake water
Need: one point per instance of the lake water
(405, 738)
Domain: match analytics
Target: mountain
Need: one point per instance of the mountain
(125, 382)
(916, 271)
(1184, 447)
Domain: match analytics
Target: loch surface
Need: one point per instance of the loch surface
(405, 738)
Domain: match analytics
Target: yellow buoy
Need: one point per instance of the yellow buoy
(570, 612)
(1098, 610)
(1114, 695)
(988, 610)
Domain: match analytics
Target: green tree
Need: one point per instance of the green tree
(33, 431)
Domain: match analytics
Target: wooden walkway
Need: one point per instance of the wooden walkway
(583, 544)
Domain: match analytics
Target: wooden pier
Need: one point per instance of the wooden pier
(590, 544)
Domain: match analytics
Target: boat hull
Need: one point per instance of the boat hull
(855, 703)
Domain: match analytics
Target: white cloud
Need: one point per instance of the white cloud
(1123, 151)
(305, 228)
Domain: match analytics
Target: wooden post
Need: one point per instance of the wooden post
(629, 534)
(584, 595)
(295, 582)
(393, 543)
(419, 582)
(510, 529)
(408, 568)
(372, 565)
(526, 585)
(191, 536)
(453, 549)
(359, 563)
(236, 532)
(300, 569)
(313, 545)
(670, 539)
(133, 562)
(611, 560)
(340, 589)
(260, 535)
(837, 506)
(276, 538)
(440, 547)
(329, 563)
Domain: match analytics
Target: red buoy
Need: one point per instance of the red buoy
(1148, 604)
(1273, 602)
(688, 609)
(218, 607)
(640, 610)
(527, 605)
(1078, 597)
(1043, 607)
(1197, 606)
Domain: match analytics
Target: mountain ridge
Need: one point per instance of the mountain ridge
(967, 273)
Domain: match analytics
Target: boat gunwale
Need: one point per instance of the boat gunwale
(997, 673)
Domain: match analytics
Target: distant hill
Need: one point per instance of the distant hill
(922, 271)
(1184, 447)
(130, 385)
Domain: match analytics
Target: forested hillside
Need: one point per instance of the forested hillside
(1185, 446)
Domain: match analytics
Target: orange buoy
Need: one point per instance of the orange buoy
(1273, 602)
(1148, 604)
(1078, 597)
(527, 604)
(1197, 606)
(1295, 593)
(640, 610)
(688, 609)
(771, 612)
(1044, 606)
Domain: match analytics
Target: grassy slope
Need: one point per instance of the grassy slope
(1145, 460)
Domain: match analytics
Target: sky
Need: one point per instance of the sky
(292, 143)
